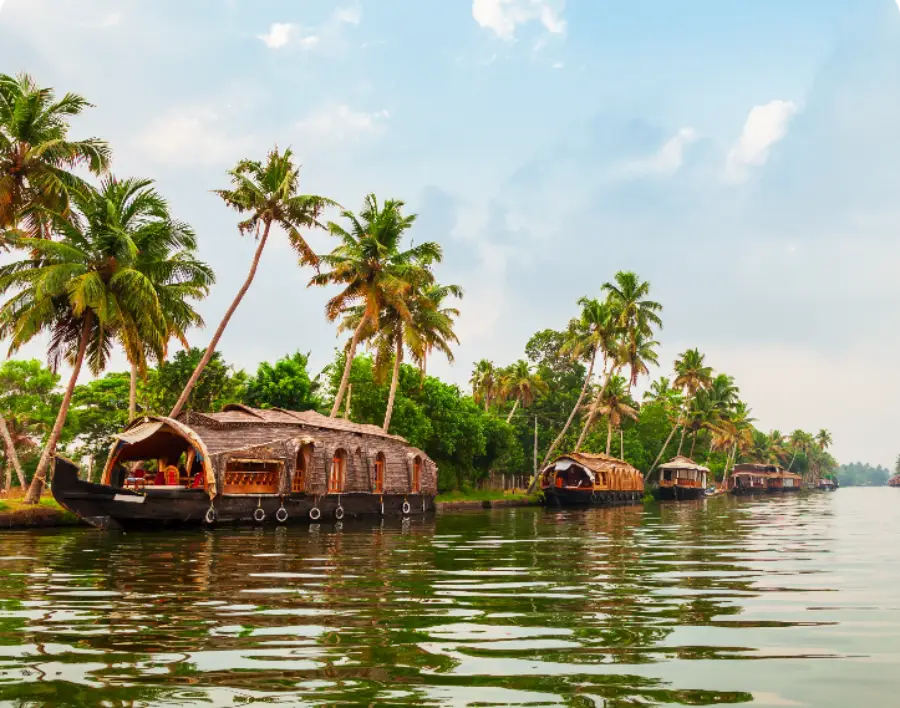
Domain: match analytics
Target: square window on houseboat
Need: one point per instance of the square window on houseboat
(252, 476)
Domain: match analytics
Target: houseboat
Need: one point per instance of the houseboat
(244, 465)
(750, 479)
(784, 481)
(581, 479)
(827, 484)
(894, 481)
(679, 479)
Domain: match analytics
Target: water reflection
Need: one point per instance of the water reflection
(628, 606)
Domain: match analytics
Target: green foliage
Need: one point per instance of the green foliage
(287, 384)
(99, 411)
(28, 399)
(218, 385)
(465, 442)
(859, 474)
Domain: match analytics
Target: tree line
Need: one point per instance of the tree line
(101, 264)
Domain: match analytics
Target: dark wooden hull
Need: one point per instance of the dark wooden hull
(677, 493)
(114, 508)
(587, 497)
(748, 491)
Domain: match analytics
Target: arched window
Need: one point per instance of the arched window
(298, 484)
(378, 482)
(417, 475)
(338, 472)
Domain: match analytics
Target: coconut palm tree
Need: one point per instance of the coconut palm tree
(734, 434)
(660, 391)
(37, 158)
(691, 375)
(521, 384)
(611, 340)
(267, 193)
(616, 404)
(638, 316)
(86, 292)
(585, 338)
(374, 271)
(430, 327)
(485, 383)
(164, 254)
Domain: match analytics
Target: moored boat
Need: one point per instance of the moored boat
(750, 479)
(783, 481)
(244, 465)
(582, 479)
(894, 481)
(680, 479)
(827, 484)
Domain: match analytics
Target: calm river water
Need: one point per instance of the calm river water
(769, 602)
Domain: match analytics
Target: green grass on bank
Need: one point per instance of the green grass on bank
(16, 504)
(460, 495)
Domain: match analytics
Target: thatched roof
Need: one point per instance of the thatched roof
(756, 469)
(237, 415)
(683, 463)
(596, 462)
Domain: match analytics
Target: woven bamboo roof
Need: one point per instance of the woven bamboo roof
(683, 463)
(238, 415)
(596, 462)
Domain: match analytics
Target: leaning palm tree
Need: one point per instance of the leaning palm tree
(522, 385)
(37, 158)
(267, 192)
(616, 405)
(485, 383)
(374, 271)
(85, 291)
(584, 340)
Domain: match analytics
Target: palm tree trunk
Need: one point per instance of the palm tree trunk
(729, 462)
(665, 445)
(398, 356)
(584, 388)
(793, 457)
(684, 411)
(348, 365)
(693, 443)
(37, 482)
(608, 434)
(132, 393)
(12, 457)
(594, 408)
(513, 411)
(210, 350)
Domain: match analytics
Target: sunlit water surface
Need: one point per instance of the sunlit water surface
(769, 602)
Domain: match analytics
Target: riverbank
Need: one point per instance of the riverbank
(487, 499)
(14, 514)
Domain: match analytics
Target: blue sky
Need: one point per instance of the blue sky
(740, 155)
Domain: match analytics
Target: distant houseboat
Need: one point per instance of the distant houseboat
(251, 466)
(582, 479)
(750, 479)
(827, 484)
(784, 481)
(680, 478)
(894, 481)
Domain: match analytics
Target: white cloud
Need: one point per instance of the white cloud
(668, 159)
(353, 15)
(335, 123)
(191, 134)
(279, 35)
(765, 126)
(503, 16)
